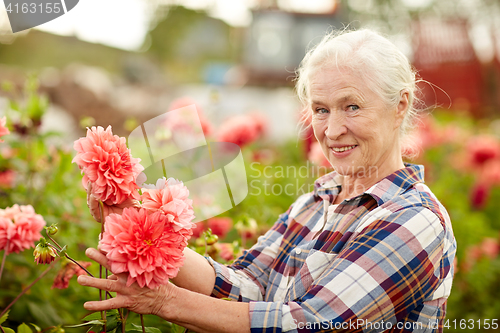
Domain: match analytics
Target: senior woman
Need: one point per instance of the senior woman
(370, 249)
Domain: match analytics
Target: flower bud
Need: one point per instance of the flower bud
(52, 229)
(44, 253)
(210, 238)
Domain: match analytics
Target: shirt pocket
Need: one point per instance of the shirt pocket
(314, 266)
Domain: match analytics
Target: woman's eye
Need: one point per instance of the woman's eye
(353, 107)
(321, 110)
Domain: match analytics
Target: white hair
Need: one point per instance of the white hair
(366, 52)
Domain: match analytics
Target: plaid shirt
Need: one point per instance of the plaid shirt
(382, 261)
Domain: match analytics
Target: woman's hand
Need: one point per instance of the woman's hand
(134, 298)
(192, 310)
(93, 205)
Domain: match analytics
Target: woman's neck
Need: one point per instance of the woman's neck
(353, 186)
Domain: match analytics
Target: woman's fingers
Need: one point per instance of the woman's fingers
(98, 257)
(103, 284)
(112, 303)
(93, 205)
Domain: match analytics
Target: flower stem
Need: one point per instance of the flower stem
(54, 241)
(78, 264)
(123, 319)
(5, 253)
(101, 213)
(142, 324)
(27, 288)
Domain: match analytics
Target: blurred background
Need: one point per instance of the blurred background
(123, 62)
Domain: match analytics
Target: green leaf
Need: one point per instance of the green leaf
(4, 317)
(46, 316)
(23, 328)
(37, 328)
(63, 251)
(93, 316)
(92, 322)
(138, 328)
(8, 330)
(111, 322)
(96, 328)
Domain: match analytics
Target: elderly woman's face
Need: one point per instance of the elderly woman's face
(358, 132)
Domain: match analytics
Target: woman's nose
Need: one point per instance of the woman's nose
(336, 126)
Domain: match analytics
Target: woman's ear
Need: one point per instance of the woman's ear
(402, 107)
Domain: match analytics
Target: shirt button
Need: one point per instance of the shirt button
(298, 251)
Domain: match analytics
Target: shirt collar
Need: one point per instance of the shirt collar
(328, 186)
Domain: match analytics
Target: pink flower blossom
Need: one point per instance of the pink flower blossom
(7, 178)
(490, 247)
(225, 250)
(172, 200)
(473, 254)
(5, 226)
(44, 253)
(20, 227)
(481, 149)
(69, 270)
(144, 244)
(178, 123)
(220, 225)
(198, 229)
(3, 128)
(241, 130)
(490, 173)
(107, 163)
(479, 195)
(162, 183)
(260, 122)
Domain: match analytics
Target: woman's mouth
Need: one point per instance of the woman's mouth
(343, 149)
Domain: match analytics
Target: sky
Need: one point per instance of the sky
(124, 23)
(118, 23)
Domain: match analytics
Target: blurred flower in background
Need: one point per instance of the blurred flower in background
(20, 227)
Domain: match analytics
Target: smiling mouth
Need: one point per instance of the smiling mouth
(342, 149)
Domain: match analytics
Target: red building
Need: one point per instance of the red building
(445, 59)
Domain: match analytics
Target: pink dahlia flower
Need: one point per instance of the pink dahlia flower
(107, 163)
(144, 244)
(7, 178)
(198, 229)
(61, 281)
(171, 198)
(22, 231)
(241, 130)
(220, 225)
(3, 129)
(44, 253)
(226, 251)
(5, 226)
(162, 183)
(260, 122)
(481, 149)
(179, 123)
(490, 247)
